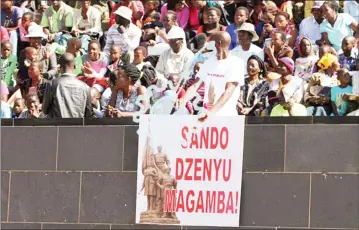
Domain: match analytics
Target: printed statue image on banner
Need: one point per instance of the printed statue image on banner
(189, 173)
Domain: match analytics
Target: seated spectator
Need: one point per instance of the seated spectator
(194, 18)
(252, 99)
(66, 96)
(170, 28)
(23, 78)
(5, 111)
(305, 64)
(174, 86)
(177, 59)
(310, 27)
(96, 102)
(254, 16)
(352, 8)
(8, 64)
(43, 6)
(124, 33)
(95, 66)
(203, 6)
(212, 25)
(230, 7)
(139, 55)
(240, 17)
(149, 34)
(33, 108)
(150, 9)
(10, 20)
(56, 19)
(87, 22)
(265, 27)
(36, 35)
(350, 53)
(19, 107)
(181, 9)
(326, 49)
(73, 47)
(26, 21)
(37, 83)
(336, 26)
(276, 50)
(284, 25)
(291, 87)
(136, 8)
(194, 104)
(317, 95)
(124, 96)
(339, 105)
(115, 58)
(151, 78)
(4, 35)
(245, 48)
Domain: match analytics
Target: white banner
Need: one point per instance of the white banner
(189, 173)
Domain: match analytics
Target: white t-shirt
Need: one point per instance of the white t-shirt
(244, 55)
(215, 75)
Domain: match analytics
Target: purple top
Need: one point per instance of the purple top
(182, 16)
(11, 21)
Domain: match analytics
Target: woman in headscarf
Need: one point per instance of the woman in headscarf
(317, 94)
(125, 93)
(252, 99)
(305, 64)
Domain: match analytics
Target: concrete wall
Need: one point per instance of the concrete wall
(83, 177)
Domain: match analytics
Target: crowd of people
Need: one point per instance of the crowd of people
(73, 59)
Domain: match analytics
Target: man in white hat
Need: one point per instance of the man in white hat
(245, 49)
(124, 33)
(310, 27)
(177, 59)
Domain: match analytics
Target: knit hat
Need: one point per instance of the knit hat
(288, 62)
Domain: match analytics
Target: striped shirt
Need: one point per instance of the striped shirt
(128, 41)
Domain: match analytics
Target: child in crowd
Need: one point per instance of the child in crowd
(23, 77)
(139, 56)
(96, 104)
(339, 104)
(116, 58)
(95, 66)
(8, 64)
(33, 108)
(200, 89)
(26, 21)
(19, 107)
(73, 47)
(305, 64)
(37, 83)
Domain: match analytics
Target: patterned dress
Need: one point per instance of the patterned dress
(128, 104)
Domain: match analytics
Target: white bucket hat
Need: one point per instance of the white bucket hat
(250, 29)
(35, 31)
(125, 12)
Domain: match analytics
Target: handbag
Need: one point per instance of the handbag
(320, 91)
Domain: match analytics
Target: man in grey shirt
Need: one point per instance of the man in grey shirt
(66, 96)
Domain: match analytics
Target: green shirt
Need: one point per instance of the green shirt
(55, 21)
(78, 64)
(8, 67)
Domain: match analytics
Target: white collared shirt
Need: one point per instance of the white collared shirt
(352, 8)
(92, 23)
(310, 28)
(244, 55)
(128, 41)
(176, 63)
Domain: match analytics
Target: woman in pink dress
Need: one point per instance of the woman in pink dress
(181, 9)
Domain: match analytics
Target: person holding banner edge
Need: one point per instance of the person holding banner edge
(222, 75)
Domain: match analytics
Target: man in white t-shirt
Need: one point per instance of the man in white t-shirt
(222, 76)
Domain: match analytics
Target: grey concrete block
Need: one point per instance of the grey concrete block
(108, 198)
(322, 148)
(75, 226)
(5, 176)
(44, 197)
(131, 149)
(90, 148)
(37, 150)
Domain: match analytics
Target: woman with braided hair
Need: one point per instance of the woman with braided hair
(123, 102)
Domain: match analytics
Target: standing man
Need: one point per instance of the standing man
(222, 75)
(66, 96)
(310, 27)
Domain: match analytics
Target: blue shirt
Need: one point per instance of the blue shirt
(234, 37)
(11, 21)
(349, 62)
(340, 29)
(337, 97)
